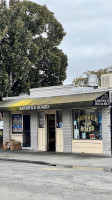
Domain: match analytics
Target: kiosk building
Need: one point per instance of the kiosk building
(61, 118)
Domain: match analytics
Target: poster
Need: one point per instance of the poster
(75, 122)
(76, 133)
(60, 124)
(17, 123)
(83, 135)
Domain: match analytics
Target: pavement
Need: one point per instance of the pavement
(70, 160)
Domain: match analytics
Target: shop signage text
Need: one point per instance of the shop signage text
(35, 107)
(87, 129)
(102, 101)
(87, 122)
(87, 117)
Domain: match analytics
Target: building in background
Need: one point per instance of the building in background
(61, 118)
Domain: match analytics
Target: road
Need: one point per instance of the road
(26, 181)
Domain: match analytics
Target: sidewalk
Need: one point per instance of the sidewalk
(57, 159)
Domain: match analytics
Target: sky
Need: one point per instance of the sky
(88, 27)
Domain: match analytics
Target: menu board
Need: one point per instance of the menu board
(17, 123)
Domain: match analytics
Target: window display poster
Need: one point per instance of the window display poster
(99, 117)
(83, 135)
(60, 124)
(75, 122)
(17, 123)
(76, 133)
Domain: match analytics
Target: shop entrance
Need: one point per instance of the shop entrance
(26, 131)
(51, 132)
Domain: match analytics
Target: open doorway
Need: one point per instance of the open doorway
(26, 131)
(51, 132)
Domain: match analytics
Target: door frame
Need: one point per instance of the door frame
(46, 128)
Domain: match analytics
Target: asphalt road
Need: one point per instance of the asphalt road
(25, 181)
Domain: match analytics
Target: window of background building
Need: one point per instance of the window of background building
(87, 124)
(41, 119)
(59, 119)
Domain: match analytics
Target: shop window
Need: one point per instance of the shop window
(87, 124)
(59, 119)
(17, 123)
(41, 119)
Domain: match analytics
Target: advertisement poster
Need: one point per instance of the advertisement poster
(75, 122)
(60, 124)
(83, 135)
(17, 123)
(76, 133)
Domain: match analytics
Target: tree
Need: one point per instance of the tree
(82, 81)
(29, 54)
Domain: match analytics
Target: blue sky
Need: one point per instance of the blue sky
(88, 27)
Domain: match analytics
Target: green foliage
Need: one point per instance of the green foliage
(82, 81)
(1, 133)
(29, 57)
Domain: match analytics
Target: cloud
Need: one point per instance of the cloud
(88, 27)
(87, 52)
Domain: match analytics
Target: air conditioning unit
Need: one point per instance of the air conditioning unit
(106, 80)
(92, 80)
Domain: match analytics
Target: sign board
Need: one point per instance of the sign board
(34, 107)
(102, 100)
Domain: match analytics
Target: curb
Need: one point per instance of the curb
(76, 167)
(28, 161)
